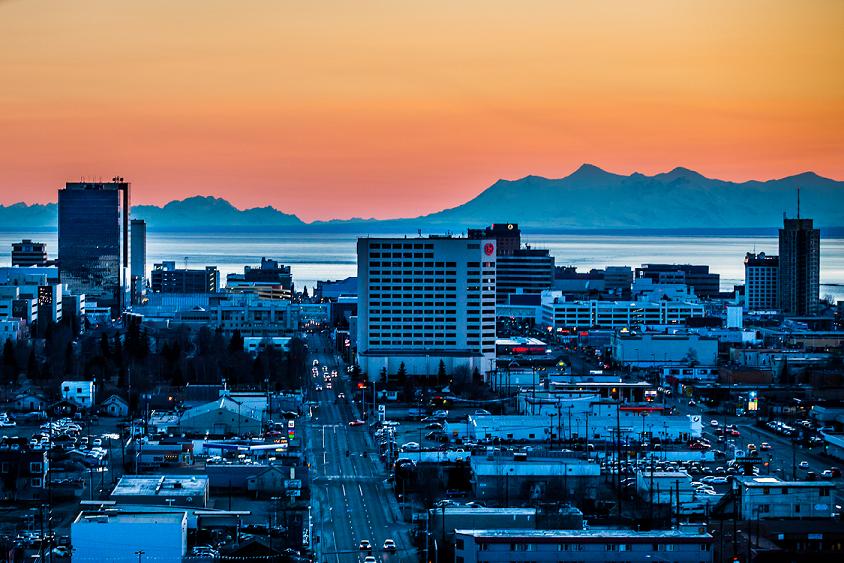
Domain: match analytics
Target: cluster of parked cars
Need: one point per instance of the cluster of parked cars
(66, 435)
(6, 422)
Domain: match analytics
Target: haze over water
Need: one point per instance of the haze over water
(324, 256)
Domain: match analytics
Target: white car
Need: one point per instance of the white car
(410, 447)
(803, 465)
(6, 423)
(713, 423)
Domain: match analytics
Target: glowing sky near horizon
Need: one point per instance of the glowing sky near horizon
(338, 109)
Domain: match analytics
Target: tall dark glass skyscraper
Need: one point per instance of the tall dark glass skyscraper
(94, 241)
(138, 260)
(800, 267)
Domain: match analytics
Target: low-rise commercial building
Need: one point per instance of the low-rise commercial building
(594, 544)
(166, 490)
(127, 537)
(770, 497)
(222, 417)
(641, 350)
(504, 479)
(559, 314)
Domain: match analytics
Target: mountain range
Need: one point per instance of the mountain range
(588, 199)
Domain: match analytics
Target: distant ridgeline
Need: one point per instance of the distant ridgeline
(588, 199)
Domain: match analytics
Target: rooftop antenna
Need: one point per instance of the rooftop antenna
(186, 262)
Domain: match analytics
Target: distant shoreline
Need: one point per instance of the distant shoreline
(831, 232)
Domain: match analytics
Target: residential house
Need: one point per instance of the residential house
(22, 470)
(79, 392)
(115, 406)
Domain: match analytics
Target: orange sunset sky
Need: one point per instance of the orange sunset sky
(337, 109)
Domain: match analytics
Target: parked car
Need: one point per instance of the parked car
(390, 545)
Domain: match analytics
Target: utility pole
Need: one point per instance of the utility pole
(587, 436)
(618, 453)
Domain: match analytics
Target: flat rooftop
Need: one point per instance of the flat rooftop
(519, 341)
(749, 481)
(598, 534)
(161, 485)
(484, 511)
(91, 518)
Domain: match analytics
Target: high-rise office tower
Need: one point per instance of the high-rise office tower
(422, 301)
(167, 278)
(28, 253)
(517, 269)
(138, 260)
(761, 282)
(94, 241)
(507, 236)
(800, 266)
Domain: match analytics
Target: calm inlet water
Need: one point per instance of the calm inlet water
(323, 256)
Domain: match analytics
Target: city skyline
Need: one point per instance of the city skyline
(391, 111)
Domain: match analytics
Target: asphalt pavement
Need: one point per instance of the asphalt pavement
(351, 500)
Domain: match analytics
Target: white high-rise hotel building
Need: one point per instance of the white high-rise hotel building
(423, 300)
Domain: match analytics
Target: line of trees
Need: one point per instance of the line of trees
(135, 357)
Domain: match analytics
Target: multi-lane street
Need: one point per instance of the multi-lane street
(351, 500)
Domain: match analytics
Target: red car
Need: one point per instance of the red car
(357, 422)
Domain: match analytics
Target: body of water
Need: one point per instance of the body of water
(331, 256)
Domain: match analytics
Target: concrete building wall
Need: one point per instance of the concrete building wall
(425, 299)
(161, 537)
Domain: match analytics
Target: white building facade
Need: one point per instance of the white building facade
(651, 350)
(761, 282)
(422, 301)
(79, 392)
(558, 314)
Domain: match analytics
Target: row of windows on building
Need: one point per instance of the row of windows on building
(406, 264)
(403, 245)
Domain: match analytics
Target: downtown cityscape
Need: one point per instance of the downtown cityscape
(299, 329)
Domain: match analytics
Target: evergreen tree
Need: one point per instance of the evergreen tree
(401, 374)
(69, 359)
(32, 371)
(10, 362)
(105, 349)
(117, 353)
(236, 343)
(441, 373)
(204, 341)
